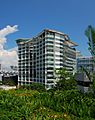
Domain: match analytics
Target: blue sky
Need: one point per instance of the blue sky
(32, 16)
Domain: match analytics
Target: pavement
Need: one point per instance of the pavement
(5, 87)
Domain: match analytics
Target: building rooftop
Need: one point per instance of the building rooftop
(22, 40)
(86, 57)
(68, 41)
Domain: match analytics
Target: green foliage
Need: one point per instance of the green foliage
(66, 81)
(33, 86)
(0, 82)
(90, 33)
(9, 82)
(62, 74)
(23, 104)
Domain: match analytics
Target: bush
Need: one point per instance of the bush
(24, 104)
(9, 82)
(34, 86)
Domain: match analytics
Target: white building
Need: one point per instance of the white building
(39, 57)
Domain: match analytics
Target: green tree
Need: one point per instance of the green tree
(66, 80)
(90, 33)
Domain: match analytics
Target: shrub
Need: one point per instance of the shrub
(33, 86)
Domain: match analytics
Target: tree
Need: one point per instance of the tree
(66, 80)
(87, 72)
(90, 33)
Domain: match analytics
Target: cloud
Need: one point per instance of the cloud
(4, 32)
(7, 57)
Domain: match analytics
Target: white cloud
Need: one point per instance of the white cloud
(4, 32)
(7, 57)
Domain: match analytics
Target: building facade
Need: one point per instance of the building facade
(39, 57)
(86, 62)
(83, 80)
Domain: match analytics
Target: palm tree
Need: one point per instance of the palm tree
(90, 33)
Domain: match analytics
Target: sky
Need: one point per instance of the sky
(26, 18)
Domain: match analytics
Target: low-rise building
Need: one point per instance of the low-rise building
(86, 62)
(85, 65)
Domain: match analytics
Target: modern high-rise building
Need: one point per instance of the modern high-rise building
(40, 56)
